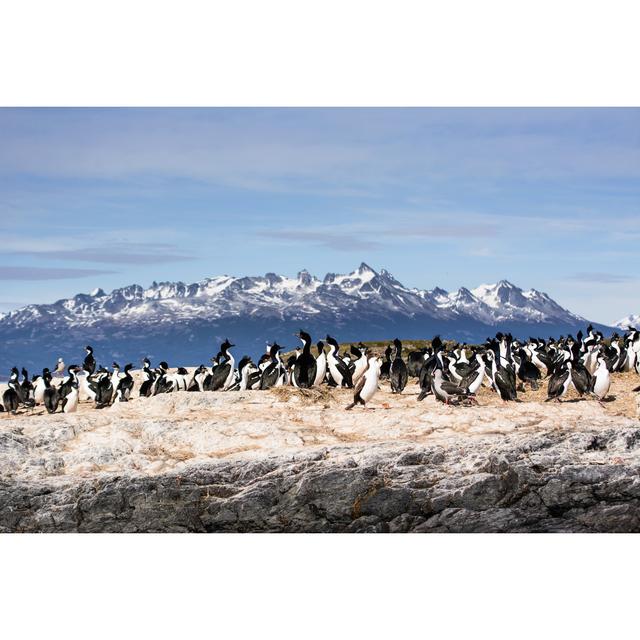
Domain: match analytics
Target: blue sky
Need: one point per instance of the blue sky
(546, 198)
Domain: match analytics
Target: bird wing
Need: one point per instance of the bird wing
(345, 372)
(452, 388)
(268, 376)
(469, 379)
(465, 368)
(505, 382)
(359, 387)
(219, 376)
(556, 383)
(305, 375)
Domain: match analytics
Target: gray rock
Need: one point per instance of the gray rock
(522, 483)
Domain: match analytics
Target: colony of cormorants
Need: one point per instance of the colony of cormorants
(452, 374)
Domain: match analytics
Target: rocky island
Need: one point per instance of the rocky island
(289, 460)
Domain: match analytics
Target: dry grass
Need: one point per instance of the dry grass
(316, 395)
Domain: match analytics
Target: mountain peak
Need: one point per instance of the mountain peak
(305, 277)
(465, 294)
(365, 268)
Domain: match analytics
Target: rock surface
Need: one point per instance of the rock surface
(289, 461)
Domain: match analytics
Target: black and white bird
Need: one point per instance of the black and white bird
(87, 387)
(179, 380)
(360, 362)
(148, 379)
(539, 357)
(304, 372)
(89, 364)
(560, 381)
(50, 396)
(337, 367)
(528, 373)
(631, 349)
(161, 383)
(473, 380)
(503, 376)
(445, 390)
(425, 376)
(321, 364)
(601, 379)
(291, 363)
(223, 376)
(70, 399)
(67, 384)
(274, 374)
(415, 360)
(40, 386)
(125, 385)
(115, 378)
(12, 397)
(398, 374)
(613, 353)
(104, 389)
(580, 377)
(249, 374)
(367, 384)
(385, 367)
(27, 388)
(197, 379)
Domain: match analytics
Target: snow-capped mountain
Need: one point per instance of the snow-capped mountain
(183, 322)
(629, 321)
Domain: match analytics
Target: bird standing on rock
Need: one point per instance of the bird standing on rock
(398, 374)
(304, 372)
(321, 364)
(337, 368)
(368, 383)
(89, 364)
(559, 382)
(446, 391)
(601, 379)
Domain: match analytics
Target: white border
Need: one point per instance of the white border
(287, 52)
(318, 586)
(331, 53)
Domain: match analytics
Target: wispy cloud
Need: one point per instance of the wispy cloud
(438, 230)
(43, 273)
(601, 278)
(365, 237)
(347, 241)
(116, 253)
(341, 150)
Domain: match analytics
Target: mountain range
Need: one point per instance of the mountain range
(184, 323)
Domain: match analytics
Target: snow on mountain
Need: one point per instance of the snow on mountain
(274, 295)
(173, 317)
(629, 321)
(509, 302)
